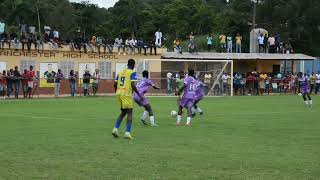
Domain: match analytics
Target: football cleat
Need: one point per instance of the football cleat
(115, 133)
(154, 125)
(127, 135)
(143, 122)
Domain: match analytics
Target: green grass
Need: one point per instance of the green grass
(237, 138)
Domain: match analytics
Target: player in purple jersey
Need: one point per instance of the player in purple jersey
(143, 87)
(198, 97)
(187, 101)
(305, 89)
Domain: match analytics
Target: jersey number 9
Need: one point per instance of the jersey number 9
(122, 79)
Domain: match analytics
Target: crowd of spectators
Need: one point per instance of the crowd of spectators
(273, 44)
(233, 44)
(28, 36)
(253, 83)
(12, 80)
(265, 83)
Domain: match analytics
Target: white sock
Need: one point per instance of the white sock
(310, 102)
(199, 110)
(178, 118)
(188, 120)
(193, 110)
(307, 102)
(144, 115)
(152, 120)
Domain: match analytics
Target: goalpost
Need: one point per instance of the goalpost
(210, 72)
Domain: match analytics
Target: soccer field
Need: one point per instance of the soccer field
(237, 138)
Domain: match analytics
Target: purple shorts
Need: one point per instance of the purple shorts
(305, 90)
(187, 103)
(199, 97)
(139, 102)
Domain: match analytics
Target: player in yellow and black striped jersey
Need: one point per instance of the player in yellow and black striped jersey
(124, 86)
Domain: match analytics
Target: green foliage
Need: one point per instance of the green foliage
(296, 21)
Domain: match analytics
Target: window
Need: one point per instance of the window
(105, 69)
(25, 64)
(66, 67)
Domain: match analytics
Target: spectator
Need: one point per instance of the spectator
(3, 40)
(86, 83)
(57, 83)
(10, 82)
(224, 79)
(272, 45)
(47, 32)
(56, 36)
(109, 45)
(251, 80)
(96, 82)
(243, 84)
(177, 47)
(238, 43)
(32, 30)
(169, 83)
(23, 28)
(267, 82)
(223, 44)
(261, 43)
(14, 42)
(158, 36)
(2, 27)
(312, 79)
(16, 81)
(3, 35)
(132, 45)
(288, 48)
(99, 43)
(118, 43)
(262, 83)
(39, 42)
(152, 47)
(209, 42)
(191, 37)
(237, 82)
(192, 47)
(207, 79)
(72, 83)
(25, 78)
(23, 40)
(3, 84)
(88, 44)
(141, 46)
(229, 45)
(317, 83)
(31, 78)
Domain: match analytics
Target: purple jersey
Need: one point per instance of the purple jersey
(191, 87)
(200, 90)
(304, 82)
(143, 86)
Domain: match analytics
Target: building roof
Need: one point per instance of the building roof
(235, 56)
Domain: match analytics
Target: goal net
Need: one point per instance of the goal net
(217, 75)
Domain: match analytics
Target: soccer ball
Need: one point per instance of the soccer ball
(173, 113)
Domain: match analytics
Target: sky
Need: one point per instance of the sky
(100, 3)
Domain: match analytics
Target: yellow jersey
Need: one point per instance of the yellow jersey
(238, 39)
(222, 39)
(124, 79)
